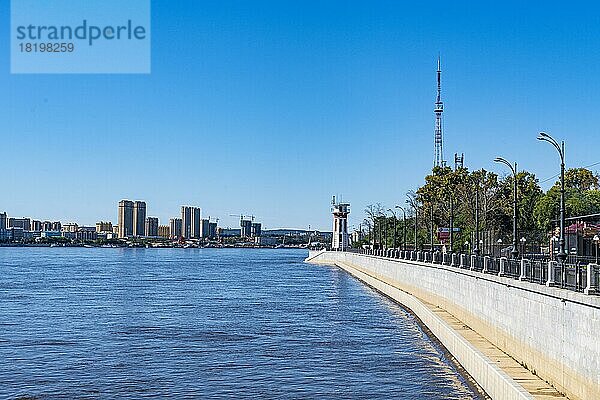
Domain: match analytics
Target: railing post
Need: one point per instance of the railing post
(592, 274)
(486, 264)
(473, 261)
(523, 275)
(463, 259)
(419, 255)
(502, 266)
(454, 262)
(551, 269)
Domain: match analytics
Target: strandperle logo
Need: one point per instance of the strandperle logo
(84, 32)
(80, 36)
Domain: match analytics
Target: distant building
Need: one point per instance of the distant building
(191, 218)
(265, 241)
(205, 228)
(196, 228)
(164, 231)
(186, 222)
(340, 213)
(125, 218)
(256, 229)
(86, 233)
(56, 226)
(228, 232)
(13, 234)
(51, 234)
(69, 231)
(151, 226)
(36, 226)
(22, 223)
(139, 218)
(104, 227)
(212, 229)
(116, 230)
(70, 228)
(245, 228)
(3, 221)
(175, 227)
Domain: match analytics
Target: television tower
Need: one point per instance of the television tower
(438, 160)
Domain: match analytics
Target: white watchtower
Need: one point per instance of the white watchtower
(340, 211)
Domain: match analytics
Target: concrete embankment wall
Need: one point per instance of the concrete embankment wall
(553, 332)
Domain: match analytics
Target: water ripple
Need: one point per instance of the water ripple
(220, 323)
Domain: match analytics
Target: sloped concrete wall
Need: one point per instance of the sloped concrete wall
(554, 332)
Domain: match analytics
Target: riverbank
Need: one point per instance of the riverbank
(491, 327)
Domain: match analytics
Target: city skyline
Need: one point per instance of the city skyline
(262, 94)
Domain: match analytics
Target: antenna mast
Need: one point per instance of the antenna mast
(438, 160)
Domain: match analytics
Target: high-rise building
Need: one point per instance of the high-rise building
(190, 222)
(186, 222)
(256, 229)
(196, 231)
(175, 227)
(139, 218)
(3, 221)
(164, 231)
(104, 227)
(125, 218)
(151, 226)
(246, 228)
(212, 229)
(205, 228)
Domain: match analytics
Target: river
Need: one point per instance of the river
(206, 323)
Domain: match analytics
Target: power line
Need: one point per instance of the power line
(557, 175)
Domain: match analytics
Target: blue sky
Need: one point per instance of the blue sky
(270, 108)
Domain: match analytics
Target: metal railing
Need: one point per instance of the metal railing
(572, 276)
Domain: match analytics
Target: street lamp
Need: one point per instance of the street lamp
(467, 245)
(515, 251)
(476, 249)
(395, 219)
(413, 203)
(562, 254)
(523, 240)
(596, 240)
(403, 226)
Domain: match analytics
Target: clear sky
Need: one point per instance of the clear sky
(270, 108)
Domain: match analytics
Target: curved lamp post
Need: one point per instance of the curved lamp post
(515, 250)
(476, 250)
(562, 254)
(413, 203)
(395, 219)
(403, 227)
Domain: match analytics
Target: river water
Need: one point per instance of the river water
(206, 323)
